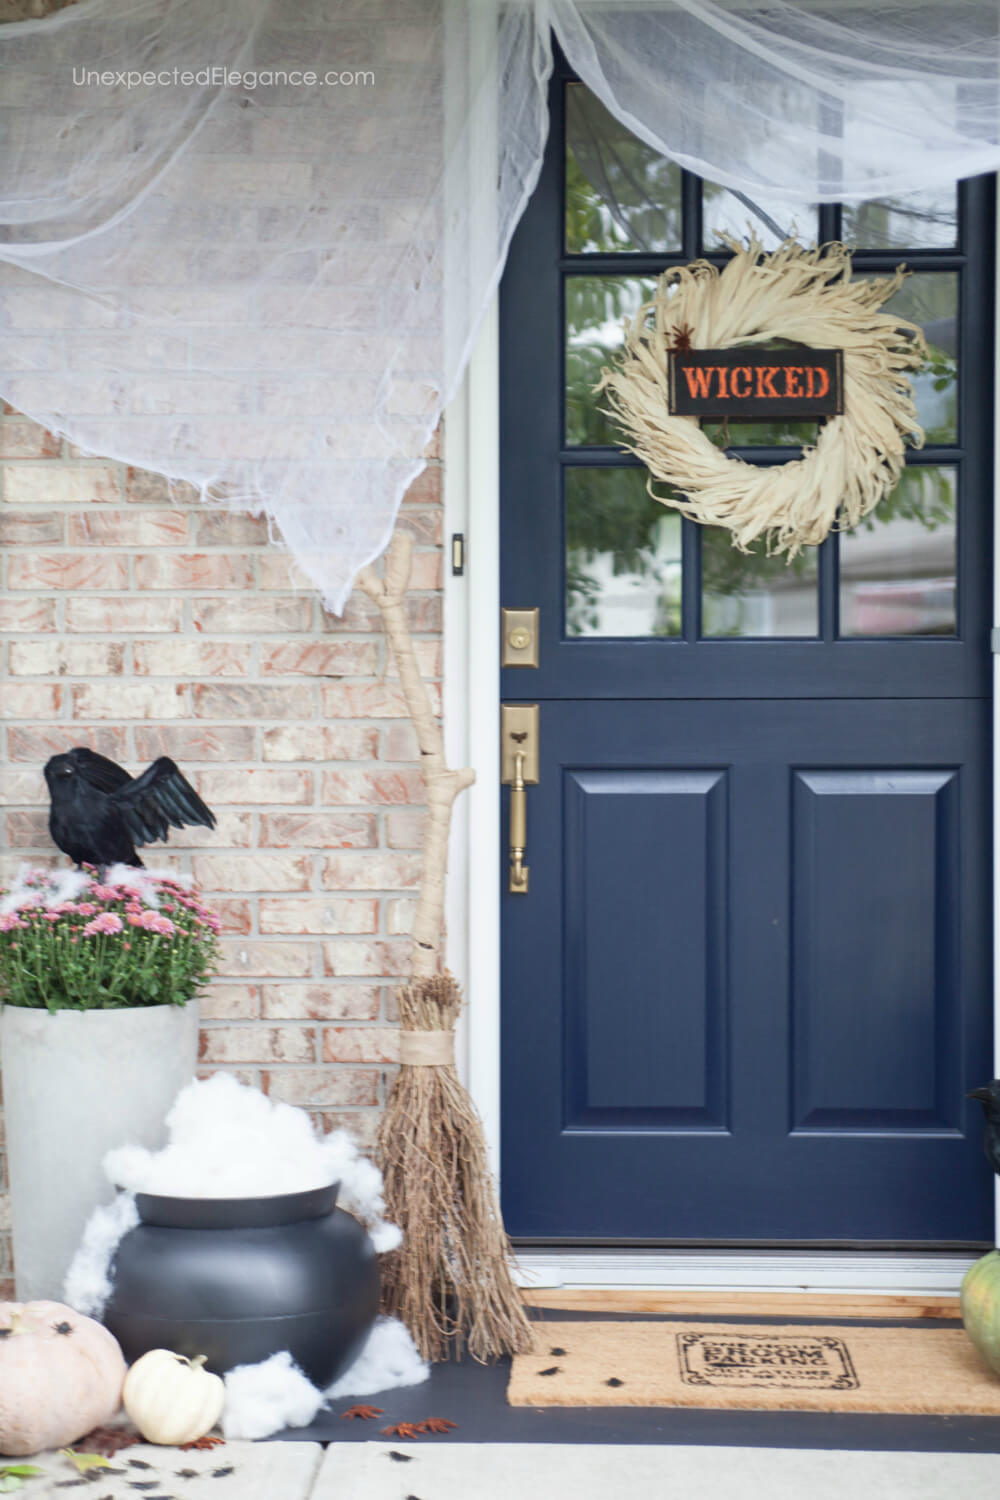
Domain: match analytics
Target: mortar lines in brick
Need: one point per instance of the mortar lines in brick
(142, 622)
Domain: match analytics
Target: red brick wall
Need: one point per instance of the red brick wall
(141, 625)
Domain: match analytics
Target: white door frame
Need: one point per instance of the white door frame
(472, 735)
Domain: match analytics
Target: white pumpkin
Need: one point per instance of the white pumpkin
(172, 1399)
(60, 1375)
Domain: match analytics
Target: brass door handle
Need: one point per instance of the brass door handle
(518, 828)
(518, 770)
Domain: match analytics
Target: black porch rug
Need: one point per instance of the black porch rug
(475, 1397)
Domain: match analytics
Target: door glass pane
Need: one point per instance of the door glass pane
(930, 299)
(897, 569)
(751, 594)
(595, 309)
(623, 556)
(913, 221)
(778, 434)
(620, 193)
(724, 211)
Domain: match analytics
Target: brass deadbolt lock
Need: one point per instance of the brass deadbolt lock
(520, 638)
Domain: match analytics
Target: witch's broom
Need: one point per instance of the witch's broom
(451, 1281)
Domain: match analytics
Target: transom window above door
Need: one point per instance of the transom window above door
(635, 568)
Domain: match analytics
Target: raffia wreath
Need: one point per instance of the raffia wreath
(804, 296)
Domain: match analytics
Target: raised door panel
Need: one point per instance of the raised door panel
(875, 949)
(645, 935)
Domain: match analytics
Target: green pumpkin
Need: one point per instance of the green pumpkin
(981, 1307)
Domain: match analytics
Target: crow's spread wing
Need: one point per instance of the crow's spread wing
(158, 800)
(97, 771)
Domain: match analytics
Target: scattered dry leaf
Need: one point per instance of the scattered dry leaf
(84, 1462)
(110, 1440)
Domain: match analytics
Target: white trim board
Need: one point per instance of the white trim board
(472, 719)
(996, 709)
(849, 1272)
(472, 712)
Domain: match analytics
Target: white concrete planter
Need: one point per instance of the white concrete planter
(76, 1084)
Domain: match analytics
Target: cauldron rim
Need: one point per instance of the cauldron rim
(270, 1210)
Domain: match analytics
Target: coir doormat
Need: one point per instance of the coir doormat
(780, 1367)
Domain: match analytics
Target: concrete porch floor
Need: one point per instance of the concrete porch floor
(498, 1452)
(475, 1471)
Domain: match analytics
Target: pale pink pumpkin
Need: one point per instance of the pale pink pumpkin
(60, 1375)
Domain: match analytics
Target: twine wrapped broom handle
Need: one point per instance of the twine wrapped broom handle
(451, 1282)
(427, 1049)
(443, 784)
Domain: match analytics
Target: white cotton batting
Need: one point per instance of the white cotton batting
(264, 1398)
(50, 888)
(87, 1286)
(66, 885)
(143, 880)
(227, 1140)
(388, 1360)
(385, 1237)
(20, 893)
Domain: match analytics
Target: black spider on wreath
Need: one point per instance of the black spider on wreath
(99, 813)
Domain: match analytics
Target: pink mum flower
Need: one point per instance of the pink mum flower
(106, 892)
(10, 921)
(86, 908)
(108, 922)
(152, 921)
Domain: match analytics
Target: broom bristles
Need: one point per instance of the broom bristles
(451, 1281)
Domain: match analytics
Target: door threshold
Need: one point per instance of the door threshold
(924, 1275)
(822, 1306)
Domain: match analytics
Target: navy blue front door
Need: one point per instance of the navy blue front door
(750, 983)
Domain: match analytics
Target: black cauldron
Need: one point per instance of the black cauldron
(238, 1279)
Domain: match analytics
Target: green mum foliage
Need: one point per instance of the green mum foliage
(107, 947)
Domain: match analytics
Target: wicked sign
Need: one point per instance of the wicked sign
(756, 384)
(665, 374)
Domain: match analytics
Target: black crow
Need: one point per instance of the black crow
(989, 1098)
(99, 813)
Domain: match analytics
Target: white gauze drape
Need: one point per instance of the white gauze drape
(269, 287)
